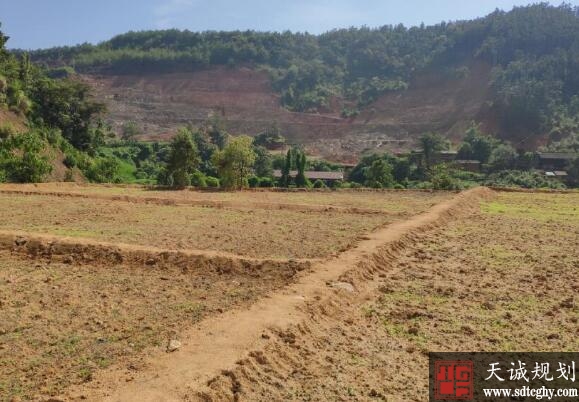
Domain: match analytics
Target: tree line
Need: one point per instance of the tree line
(58, 116)
(534, 52)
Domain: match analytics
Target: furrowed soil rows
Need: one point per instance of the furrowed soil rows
(217, 344)
(503, 278)
(260, 233)
(77, 300)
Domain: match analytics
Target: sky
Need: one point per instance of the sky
(33, 24)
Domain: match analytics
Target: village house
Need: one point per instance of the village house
(326, 177)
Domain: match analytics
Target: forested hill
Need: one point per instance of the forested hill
(533, 52)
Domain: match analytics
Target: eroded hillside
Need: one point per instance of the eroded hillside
(244, 98)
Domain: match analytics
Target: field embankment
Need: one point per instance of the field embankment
(89, 284)
(500, 278)
(224, 343)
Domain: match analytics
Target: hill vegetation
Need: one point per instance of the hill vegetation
(533, 51)
(55, 124)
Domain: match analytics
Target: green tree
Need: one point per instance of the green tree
(215, 129)
(503, 157)
(401, 169)
(183, 160)
(263, 162)
(65, 104)
(271, 138)
(206, 150)
(379, 174)
(235, 162)
(285, 180)
(432, 143)
(301, 179)
(476, 145)
(25, 69)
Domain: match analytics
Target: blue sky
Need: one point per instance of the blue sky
(35, 24)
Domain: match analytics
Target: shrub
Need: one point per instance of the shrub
(69, 161)
(517, 178)
(423, 185)
(68, 176)
(165, 178)
(180, 178)
(3, 84)
(53, 136)
(27, 165)
(30, 168)
(198, 179)
(442, 179)
(348, 113)
(212, 182)
(320, 184)
(7, 130)
(253, 181)
(103, 170)
(148, 170)
(266, 182)
(337, 184)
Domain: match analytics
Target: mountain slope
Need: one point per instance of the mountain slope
(352, 88)
(245, 101)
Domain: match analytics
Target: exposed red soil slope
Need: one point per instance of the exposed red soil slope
(245, 100)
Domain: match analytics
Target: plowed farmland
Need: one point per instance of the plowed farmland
(70, 310)
(285, 228)
(248, 318)
(503, 277)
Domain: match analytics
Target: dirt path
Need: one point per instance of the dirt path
(218, 343)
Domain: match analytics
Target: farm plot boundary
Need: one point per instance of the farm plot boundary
(217, 344)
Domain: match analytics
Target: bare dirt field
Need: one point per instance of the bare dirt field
(502, 278)
(478, 271)
(241, 230)
(63, 320)
(405, 203)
